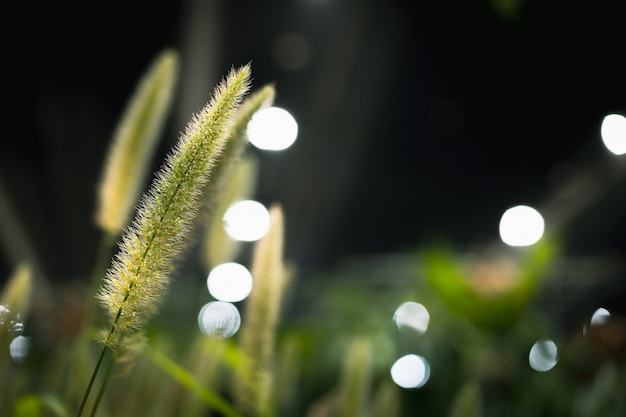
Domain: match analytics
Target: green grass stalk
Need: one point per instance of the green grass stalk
(139, 275)
(187, 380)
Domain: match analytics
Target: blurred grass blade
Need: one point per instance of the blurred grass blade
(386, 401)
(17, 293)
(187, 380)
(15, 302)
(356, 379)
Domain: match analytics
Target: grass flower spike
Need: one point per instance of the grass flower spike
(238, 140)
(255, 395)
(134, 142)
(139, 274)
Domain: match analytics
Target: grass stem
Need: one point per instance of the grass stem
(104, 383)
(91, 381)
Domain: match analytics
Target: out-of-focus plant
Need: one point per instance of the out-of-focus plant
(254, 394)
(134, 143)
(490, 288)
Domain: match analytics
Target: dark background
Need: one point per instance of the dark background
(418, 120)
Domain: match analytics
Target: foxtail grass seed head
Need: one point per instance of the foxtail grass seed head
(255, 395)
(134, 143)
(270, 280)
(238, 137)
(131, 347)
(139, 275)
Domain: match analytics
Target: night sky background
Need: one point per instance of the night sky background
(418, 120)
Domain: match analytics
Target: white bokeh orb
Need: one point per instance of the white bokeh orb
(246, 220)
(543, 355)
(613, 133)
(412, 315)
(521, 226)
(410, 371)
(229, 281)
(219, 319)
(272, 129)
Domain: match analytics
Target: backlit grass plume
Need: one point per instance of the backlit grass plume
(134, 142)
(139, 275)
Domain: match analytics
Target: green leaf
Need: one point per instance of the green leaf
(491, 290)
(187, 380)
(33, 405)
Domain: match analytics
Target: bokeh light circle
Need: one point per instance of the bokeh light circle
(246, 220)
(543, 355)
(18, 349)
(410, 371)
(272, 129)
(219, 319)
(613, 133)
(229, 281)
(600, 316)
(413, 316)
(521, 226)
